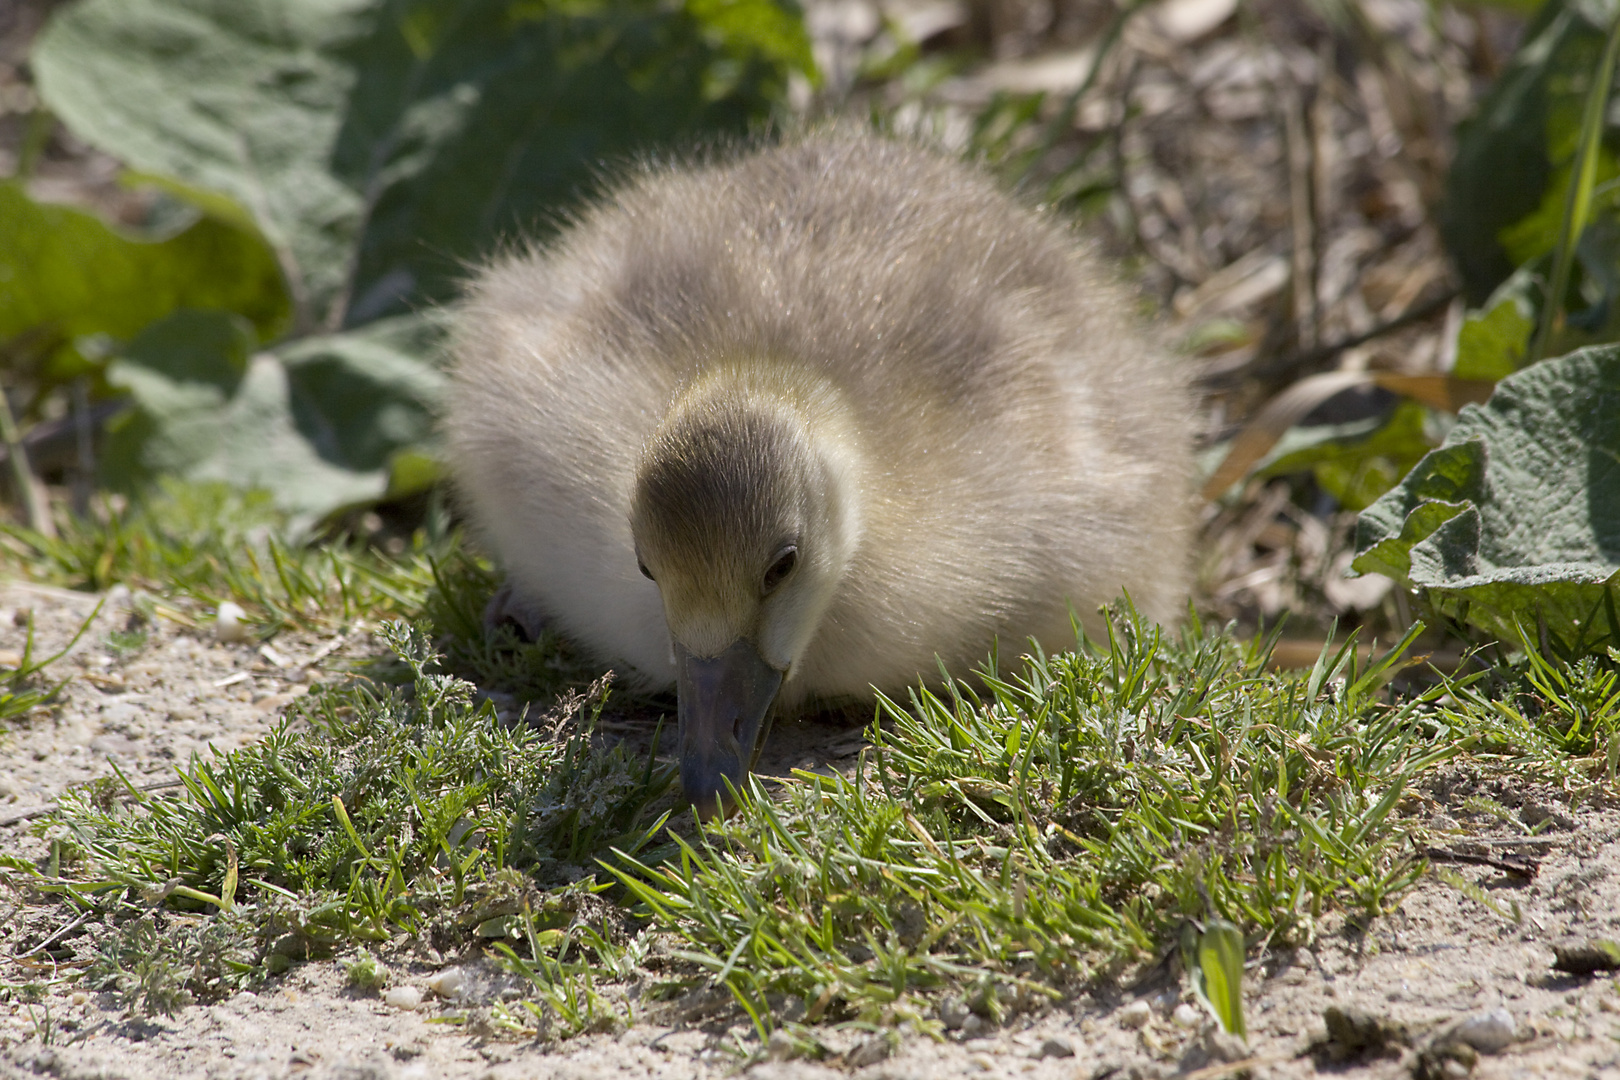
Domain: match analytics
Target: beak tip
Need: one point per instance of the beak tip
(709, 807)
(724, 702)
(705, 784)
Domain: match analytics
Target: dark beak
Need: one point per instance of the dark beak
(722, 703)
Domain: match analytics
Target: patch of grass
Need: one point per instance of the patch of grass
(566, 998)
(1068, 818)
(200, 544)
(158, 963)
(21, 690)
(1005, 842)
(388, 790)
(367, 811)
(1541, 718)
(494, 658)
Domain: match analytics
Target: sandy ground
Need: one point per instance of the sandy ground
(1441, 960)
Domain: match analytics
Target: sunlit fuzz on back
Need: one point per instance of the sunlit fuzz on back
(850, 409)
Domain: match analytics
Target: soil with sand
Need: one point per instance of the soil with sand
(1443, 986)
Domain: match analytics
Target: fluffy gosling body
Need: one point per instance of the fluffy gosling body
(848, 407)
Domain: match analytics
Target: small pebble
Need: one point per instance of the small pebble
(1488, 1032)
(1585, 956)
(448, 983)
(231, 624)
(780, 1047)
(1058, 1047)
(1213, 1047)
(974, 1026)
(870, 1052)
(1187, 1016)
(1358, 1031)
(953, 1013)
(1136, 1014)
(1154, 1043)
(408, 998)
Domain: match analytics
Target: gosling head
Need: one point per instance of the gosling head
(744, 514)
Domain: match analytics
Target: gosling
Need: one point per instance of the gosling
(797, 425)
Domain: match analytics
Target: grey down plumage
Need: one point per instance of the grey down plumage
(846, 403)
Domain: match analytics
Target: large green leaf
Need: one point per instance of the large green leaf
(70, 274)
(1515, 521)
(380, 143)
(321, 423)
(1512, 161)
(238, 97)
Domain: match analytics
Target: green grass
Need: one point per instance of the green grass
(1006, 841)
(369, 810)
(195, 545)
(494, 658)
(189, 547)
(1542, 718)
(22, 689)
(375, 807)
(1070, 818)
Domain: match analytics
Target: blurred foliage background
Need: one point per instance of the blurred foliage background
(226, 225)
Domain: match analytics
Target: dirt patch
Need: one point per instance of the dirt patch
(1442, 957)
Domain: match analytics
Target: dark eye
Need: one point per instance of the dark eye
(785, 561)
(646, 573)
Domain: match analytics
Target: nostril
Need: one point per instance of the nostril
(736, 731)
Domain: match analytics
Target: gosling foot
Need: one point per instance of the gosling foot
(507, 608)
